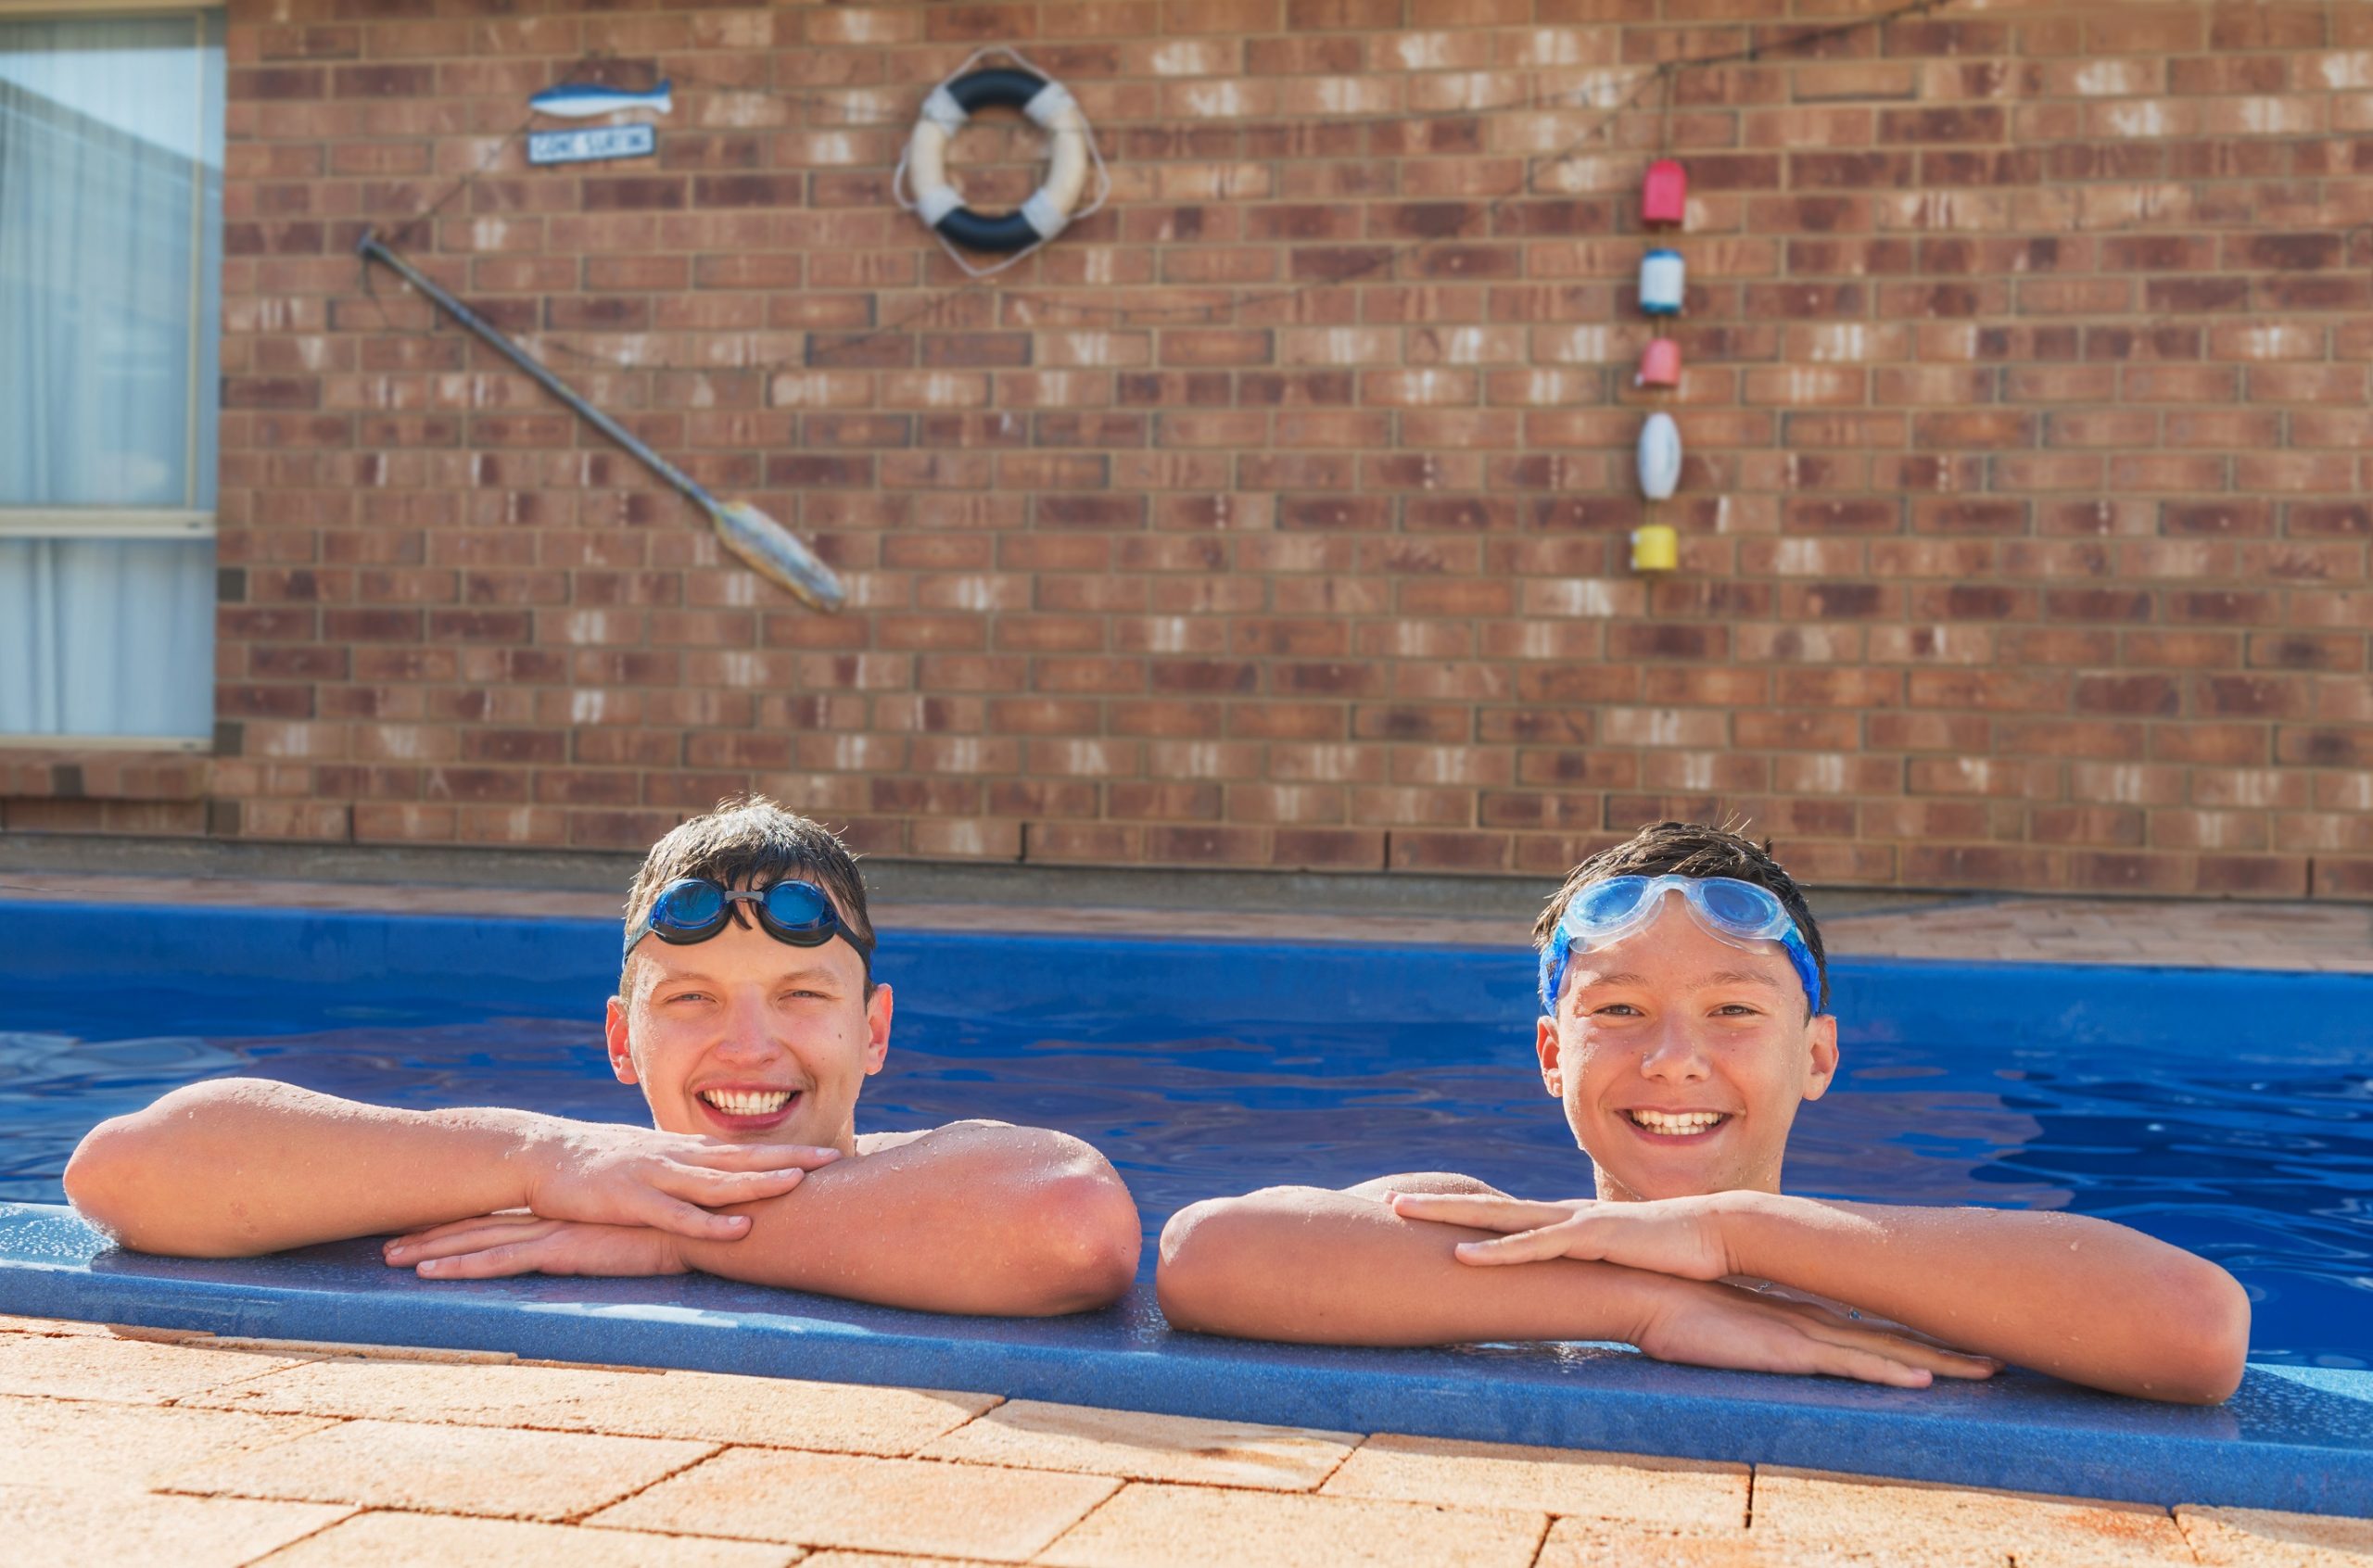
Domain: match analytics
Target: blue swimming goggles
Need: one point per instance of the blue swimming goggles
(694, 909)
(1741, 914)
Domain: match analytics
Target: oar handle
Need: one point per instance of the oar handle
(370, 249)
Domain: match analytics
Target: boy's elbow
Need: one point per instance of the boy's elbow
(2216, 1330)
(1086, 1239)
(120, 1177)
(1210, 1255)
(98, 1174)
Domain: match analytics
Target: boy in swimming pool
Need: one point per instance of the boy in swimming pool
(748, 1016)
(1684, 1017)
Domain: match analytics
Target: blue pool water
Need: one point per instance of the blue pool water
(2225, 1113)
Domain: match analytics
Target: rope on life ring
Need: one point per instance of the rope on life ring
(1050, 210)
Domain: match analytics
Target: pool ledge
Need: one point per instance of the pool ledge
(2293, 1439)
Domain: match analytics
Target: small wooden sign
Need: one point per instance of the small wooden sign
(593, 144)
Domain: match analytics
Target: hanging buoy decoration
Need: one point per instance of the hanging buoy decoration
(1048, 105)
(1664, 195)
(1655, 546)
(1659, 364)
(1664, 279)
(1659, 457)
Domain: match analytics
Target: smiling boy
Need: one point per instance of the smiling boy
(748, 1015)
(1684, 1018)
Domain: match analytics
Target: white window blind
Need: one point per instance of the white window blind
(110, 281)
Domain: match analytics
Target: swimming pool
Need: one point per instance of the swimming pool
(2225, 1112)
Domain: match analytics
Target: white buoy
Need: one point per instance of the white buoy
(1664, 281)
(1659, 457)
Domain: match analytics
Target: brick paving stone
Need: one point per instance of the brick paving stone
(446, 1469)
(82, 1444)
(47, 1325)
(869, 1504)
(1902, 1519)
(1602, 1543)
(48, 1526)
(1036, 1435)
(1162, 1526)
(768, 1411)
(2251, 1538)
(137, 1371)
(375, 1540)
(838, 1559)
(1690, 1495)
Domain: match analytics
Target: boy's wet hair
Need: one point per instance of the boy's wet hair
(750, 841)
(1691, 849)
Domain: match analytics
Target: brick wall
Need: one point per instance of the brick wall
(2023, 530)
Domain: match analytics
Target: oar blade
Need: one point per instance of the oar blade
(776, 554)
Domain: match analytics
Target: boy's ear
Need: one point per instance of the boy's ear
(878, 1008)
(614, 1033)
(1545, 1045)
(1823, 1042)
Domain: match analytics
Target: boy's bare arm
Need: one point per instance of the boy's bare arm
(2077, 1297)
(237, 1167)
(975, 1217)
(1312, 1265)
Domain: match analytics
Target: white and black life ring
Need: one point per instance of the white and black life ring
(1049, 105)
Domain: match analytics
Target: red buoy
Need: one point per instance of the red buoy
(1664, 197)
(1661, 363)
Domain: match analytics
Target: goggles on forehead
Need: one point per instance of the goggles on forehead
(694, 909)
(1741, 914)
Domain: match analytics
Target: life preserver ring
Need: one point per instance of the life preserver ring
(1048, 105)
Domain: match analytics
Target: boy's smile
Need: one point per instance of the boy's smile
(744, 1037)
(1680, 1060)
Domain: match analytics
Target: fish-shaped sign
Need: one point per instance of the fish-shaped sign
(579, 100)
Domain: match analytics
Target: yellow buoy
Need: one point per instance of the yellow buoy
(1655, 547)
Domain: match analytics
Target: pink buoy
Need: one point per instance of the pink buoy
(1661, 364)
(1664, 196)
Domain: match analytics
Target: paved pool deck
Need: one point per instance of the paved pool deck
(137, 1446)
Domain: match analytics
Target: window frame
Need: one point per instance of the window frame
(129, 522)
(189, 521)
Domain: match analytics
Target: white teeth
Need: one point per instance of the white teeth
(747, 1102)
(1676, 1122)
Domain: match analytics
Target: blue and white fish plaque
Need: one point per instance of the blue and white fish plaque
(591, 144)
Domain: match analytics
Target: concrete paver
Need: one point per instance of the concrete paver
(138, 1371)
(46, 1524)
(2253, 1537)
(769, 1412)
(1915, 1522)
(1030, 1433)
(1602, 1543)
(47, 1326)
(446, 1469)
(83, 1445)
(1686, 1495)
(375, 1540)
(1166, 1526)
(876, 1504)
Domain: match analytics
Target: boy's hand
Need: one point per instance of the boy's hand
(494, 1245)
(1680, 1236)
(1718, 1325)
(606, 1174)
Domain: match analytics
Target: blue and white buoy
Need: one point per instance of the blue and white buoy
(1664, 279)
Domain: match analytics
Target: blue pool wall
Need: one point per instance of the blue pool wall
(557, 968)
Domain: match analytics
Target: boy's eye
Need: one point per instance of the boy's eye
(1738, 1010)
(1616, 1009)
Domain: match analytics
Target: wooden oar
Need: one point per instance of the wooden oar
(767, 544)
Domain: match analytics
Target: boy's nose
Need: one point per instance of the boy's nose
(1673, 1056)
